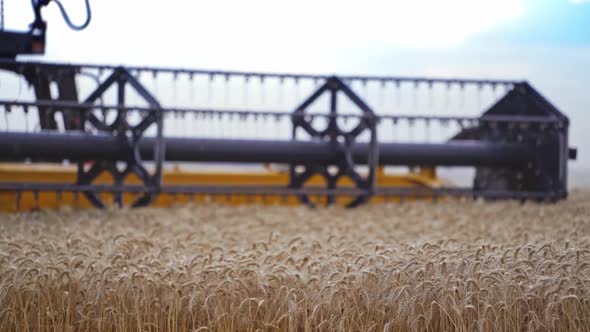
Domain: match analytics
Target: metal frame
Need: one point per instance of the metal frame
(80, 116)
(522, 117)
(465, 121)
(132, 135)
(263, 75)
(345, 165)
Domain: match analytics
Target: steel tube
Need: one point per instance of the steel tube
(82, 146)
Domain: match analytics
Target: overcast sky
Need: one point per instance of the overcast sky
(544, 41)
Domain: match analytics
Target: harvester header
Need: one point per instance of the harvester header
(336, 136)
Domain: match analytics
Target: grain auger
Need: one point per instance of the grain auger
(93, 134)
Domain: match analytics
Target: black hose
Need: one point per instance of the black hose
(67, 18)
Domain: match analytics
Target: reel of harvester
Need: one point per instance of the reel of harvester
(142, 135)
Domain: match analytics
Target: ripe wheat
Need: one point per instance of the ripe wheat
(463, 266)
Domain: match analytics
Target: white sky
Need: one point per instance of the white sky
(221, 26)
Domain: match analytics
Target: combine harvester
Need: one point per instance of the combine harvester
(98, 135)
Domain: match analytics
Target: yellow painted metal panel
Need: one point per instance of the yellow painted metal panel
(176, 175)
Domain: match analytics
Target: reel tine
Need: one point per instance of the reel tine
(7, 110)
(281, 91)
(430, 95)
(192, 88)
(382, 94)
(245, 97)
(462, 99)
(227, 97)
(210, 89)
(394, 122)
(243, 116)
(365, 89)
(416, 91)
(447, 94)
(296, 82)
(411, 129)
(26, 114)
(155, 79)
(262, 96)
(398, 100)
(175, 88)
(480, 86)
(197, 123)
(184, 122)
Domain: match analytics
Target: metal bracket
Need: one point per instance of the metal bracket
(131, 134)
(300, 173)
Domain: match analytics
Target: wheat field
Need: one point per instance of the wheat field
(449, 266)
